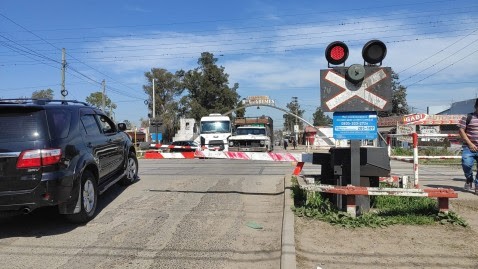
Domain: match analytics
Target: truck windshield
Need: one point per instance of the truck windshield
(251, 131)
(210, 127)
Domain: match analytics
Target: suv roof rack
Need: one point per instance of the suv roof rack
(40, 101)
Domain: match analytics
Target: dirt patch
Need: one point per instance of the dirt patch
(321, 245)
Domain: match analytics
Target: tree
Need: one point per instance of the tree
(43, 94)
(96, 99)
(399, 99)
(144, 122)
(208, 90)
(289, 120)
(320, 119)
(129, 125)
(167, 87)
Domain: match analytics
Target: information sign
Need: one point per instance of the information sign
(355, 125)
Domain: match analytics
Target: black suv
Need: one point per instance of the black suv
(60, 153)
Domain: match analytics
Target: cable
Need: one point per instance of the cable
(272, 29)
(466, 56)
(250, 39)
(449, 56)
(438, 52)
(300, 15)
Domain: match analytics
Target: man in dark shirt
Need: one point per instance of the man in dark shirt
(469, 133)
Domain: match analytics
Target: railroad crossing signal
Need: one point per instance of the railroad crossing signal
(364, 87)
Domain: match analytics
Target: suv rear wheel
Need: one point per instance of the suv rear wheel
(131, 170)
(89, 199)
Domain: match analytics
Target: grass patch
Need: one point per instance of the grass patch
(406, 210)
(386, 210)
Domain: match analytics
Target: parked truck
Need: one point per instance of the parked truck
(214, 132)
(252, 134)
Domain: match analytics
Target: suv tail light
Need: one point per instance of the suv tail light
(38, 158)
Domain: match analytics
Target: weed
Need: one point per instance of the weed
(450, 217)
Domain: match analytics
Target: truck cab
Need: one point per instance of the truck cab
(252, 134)
(251, 138)
(214, 132)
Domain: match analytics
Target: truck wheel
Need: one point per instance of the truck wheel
(89, 199)
(131, 170)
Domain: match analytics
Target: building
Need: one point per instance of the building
(457, 108)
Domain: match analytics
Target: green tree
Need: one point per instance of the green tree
(289, 120)
(240, 113)
(320, 119)
(208, 90)
(399, 99)
(129, 125)
(144, 122)
(96, 99)
(167, 87)
(43, 94)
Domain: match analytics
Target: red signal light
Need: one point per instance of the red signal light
(374, 52)
(336, 53)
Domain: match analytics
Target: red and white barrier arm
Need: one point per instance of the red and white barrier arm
(415, 156)
(151, 154)
(442, 194)
(258, 156)
(358, 190)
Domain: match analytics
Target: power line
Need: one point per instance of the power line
(251, 39)
(433, 65)
(450, 65)
(436, 53)
(274, 28)
(76, 71)
(300, 15)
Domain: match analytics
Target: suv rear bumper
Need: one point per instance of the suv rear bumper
(46, 193)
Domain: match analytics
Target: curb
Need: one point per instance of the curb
(288, 258)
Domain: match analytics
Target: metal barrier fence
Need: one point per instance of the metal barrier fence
(414, 159)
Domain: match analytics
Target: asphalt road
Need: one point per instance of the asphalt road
(183, 213)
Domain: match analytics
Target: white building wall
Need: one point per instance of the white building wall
(186, 130)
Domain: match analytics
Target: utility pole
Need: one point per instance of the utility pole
(103, 96)
(154, 101)
(63, 69)
(154, 115)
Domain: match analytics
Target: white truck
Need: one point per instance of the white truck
(214, 132)
(252, 134)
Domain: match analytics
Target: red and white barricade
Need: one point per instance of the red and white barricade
(414, 159)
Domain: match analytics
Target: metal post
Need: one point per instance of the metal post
(415, 158)
(355, 162)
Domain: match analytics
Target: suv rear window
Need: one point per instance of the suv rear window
(59, 121)
(21, 124)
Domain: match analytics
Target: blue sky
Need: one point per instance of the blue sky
(273, 48)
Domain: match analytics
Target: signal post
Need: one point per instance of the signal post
(355, 94)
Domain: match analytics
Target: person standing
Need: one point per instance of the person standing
(468, 130)
(285, 144)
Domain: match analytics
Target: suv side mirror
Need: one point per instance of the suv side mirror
(122, 126)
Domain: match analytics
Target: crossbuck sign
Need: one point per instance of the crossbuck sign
(374, 93)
